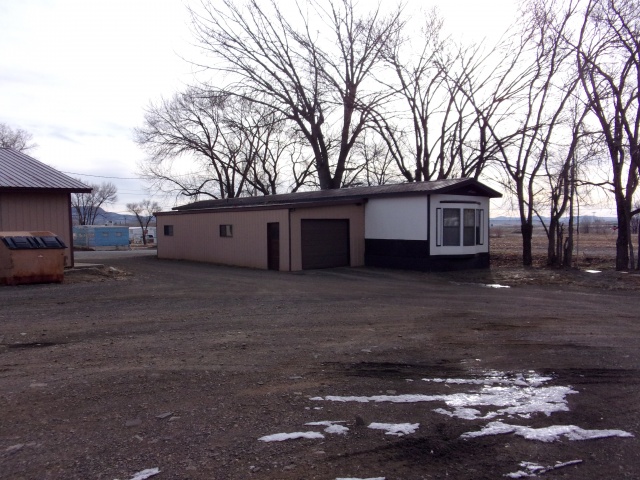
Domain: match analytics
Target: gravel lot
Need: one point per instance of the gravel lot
(184, 367)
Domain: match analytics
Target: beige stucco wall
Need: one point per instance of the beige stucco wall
(196, 235)
(38, 212)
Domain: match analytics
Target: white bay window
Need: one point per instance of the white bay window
(459, 227)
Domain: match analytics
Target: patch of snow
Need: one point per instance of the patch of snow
(495, 396)
(353, 478)
(279, 437)
(324, 423)
(332, 426)
(495, 285)
(519, 474)
(496, 377)
(337, 429)
(398, 429)
(546, 434)
(144, 474)
(460, 412)
(511, 400)
(593, 271)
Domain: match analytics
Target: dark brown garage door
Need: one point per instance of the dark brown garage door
(325, 243)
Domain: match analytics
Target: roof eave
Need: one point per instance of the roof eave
(45, 190)
(272, 206)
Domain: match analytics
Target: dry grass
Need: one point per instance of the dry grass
(592, 250)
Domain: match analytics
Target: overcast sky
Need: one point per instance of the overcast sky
(78, 74)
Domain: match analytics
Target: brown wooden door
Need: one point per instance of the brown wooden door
(325, 243)
(273, 246)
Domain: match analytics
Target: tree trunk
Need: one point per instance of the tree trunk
(567, 254)
(552, 247)
(527, 235)
(638, 265)
(622, 242)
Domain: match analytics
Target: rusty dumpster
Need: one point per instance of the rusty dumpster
(31, 257)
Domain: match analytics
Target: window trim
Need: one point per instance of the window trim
(479, 228)
(438, 229)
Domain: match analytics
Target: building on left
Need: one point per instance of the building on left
(36, 197)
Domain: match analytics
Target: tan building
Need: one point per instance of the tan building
(36, 197)
(435, 225)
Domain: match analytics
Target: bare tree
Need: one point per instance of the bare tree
(275, 152)
(17, 139)
(450, 101)
(237, 147)
(145, 212)
(407, 125)
(87, 206)
(608, 57)
(549, 83)
(635, 226)
(379, 167)
(562, 166)
(312, 66)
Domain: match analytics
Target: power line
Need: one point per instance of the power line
(102, 176)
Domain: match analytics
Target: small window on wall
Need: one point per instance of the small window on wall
(168, 230)
(226, 230)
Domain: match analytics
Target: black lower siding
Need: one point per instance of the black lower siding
(414, 255)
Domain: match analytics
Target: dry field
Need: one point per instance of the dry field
(590, 250)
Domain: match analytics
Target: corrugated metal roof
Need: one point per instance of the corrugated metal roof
(460, 186)
(20, 171)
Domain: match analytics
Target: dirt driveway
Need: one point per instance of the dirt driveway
(205, 372)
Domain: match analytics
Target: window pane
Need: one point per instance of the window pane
(450, 227)
(469, 227)
(479, 227)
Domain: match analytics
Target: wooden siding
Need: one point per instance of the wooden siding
(35, 211)
(196, 236)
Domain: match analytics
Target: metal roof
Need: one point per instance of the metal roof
(458, 186)
(19, 171)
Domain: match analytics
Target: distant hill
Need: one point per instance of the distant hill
(110, 218)
(506, 221)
